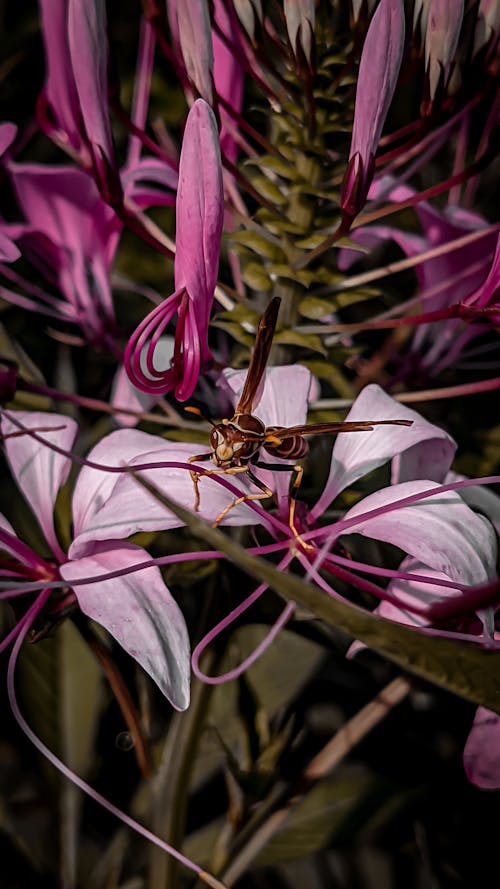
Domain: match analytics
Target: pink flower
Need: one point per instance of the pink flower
(447, 278)
(73, 108)
(199, 215)
(72, 236)
(135, 607)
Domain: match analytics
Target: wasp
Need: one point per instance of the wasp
(236, 443)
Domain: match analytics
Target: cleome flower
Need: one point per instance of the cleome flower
(134, 606)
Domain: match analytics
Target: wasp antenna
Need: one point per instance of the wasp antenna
(199, 413)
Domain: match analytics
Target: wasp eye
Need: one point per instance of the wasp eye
(214, 439)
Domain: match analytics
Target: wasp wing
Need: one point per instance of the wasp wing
(282, 433)
(260, 356)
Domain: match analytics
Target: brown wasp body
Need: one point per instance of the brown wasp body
(237, 442)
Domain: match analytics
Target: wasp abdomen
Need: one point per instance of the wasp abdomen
(293, 448)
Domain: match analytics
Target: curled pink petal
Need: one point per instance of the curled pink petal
(199, 216)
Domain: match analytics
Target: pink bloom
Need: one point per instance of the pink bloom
(72, 236)
(447, 278)
(199, 216)
(136, 608)
(76, 90)
(378, 74)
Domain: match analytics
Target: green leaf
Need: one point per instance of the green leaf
(264, 246)
(318, 817)
(304, 340)
(325, 370)
(255, 276)
(269, 190)
(468, 671)
(278, 165)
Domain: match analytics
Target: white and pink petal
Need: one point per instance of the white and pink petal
(39, 470)
(138, 610)
(423, 449)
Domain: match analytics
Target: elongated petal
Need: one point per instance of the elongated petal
(138, 610)
(39, 471)
(488, 294)
(60, 93)
(300, 17)
(427, 450)
(441, 39)
(130, 509)
(378, 74)
(482, 750)
(441, 531)
(480, 498)
(410, 592)
(199, 210)
(94, 486)
(228, 73)
(88, 45)
(193, 23)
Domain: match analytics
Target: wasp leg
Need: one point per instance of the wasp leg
(195, 477)
(299, 472)
(265, 491)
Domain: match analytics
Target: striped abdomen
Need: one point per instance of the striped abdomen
(293, 448)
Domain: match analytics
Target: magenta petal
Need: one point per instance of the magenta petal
(129, 509)
(426, 449)
(88, 46)
(199, 210)
(138, 610)
(378, 74)
(482, 750)
(228, 73)
(39, 471)
(440, 531)
(488, 294)
(60, 90)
